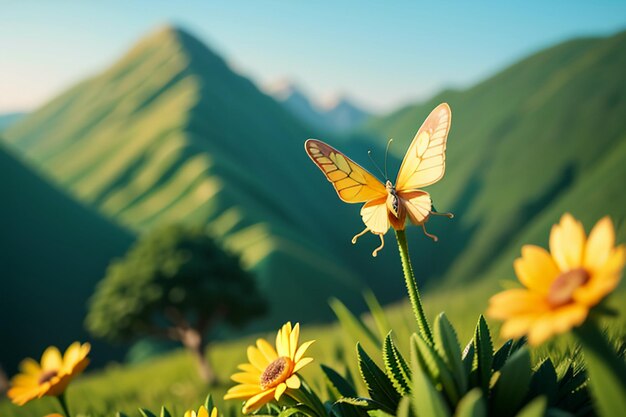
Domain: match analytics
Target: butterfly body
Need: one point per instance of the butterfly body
(388, 205)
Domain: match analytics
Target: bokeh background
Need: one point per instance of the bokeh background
(121, 117)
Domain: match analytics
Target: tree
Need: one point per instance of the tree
(174, 283)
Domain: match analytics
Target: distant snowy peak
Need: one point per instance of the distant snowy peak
(337, 114)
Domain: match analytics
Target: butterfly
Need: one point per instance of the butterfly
(388, 205)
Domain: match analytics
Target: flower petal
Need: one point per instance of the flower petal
(302, 349)
(257, 359)
(248, 367)
(517, 326)
(515, 302)
(293, 382)
(280, 389)
(30, 366)
(51, 359)
(604, 280)
(567, 243)
(600, 244)
(202, 412)
(293, 340)
(536, 269)
(302, 363)
(214, 412)
(245, 378)
(258, 401)
(267, 350)
(242, 391)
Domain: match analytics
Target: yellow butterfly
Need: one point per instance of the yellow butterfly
(388, 205)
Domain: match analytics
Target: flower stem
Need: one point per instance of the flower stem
(411, 286)
(63, 402)
(606, 370)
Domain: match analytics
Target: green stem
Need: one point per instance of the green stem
(63, 402)
(606, 370)
(411, 286)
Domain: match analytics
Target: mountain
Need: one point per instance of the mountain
(542, 137)
(7, 119)
(53, 251)
(170, 134)
(340, 115)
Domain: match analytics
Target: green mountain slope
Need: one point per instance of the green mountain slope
(52, 253)
(169, 134)
(522, 141)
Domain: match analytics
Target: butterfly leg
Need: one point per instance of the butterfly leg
(358, 235)
(382, 245)
(433, 237)
(448, 215)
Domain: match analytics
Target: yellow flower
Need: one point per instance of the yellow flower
(202, 412)
(563, 285)
(270, 372)
(51, 377)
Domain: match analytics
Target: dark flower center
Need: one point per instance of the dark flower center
(276, 372)
(47, 376)
(563, 287)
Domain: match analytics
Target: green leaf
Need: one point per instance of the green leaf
(607, 371)
(544, 382)
(354, 327)
(512, 385)
(340, 385)
(404, 408)
(396, 367)
(380, 318)
(436, 367)
(501, 355)
(120, 414)
(472, 405)
(146, 413)
(339, 409)
(447, 344)
(208, 403)
(166, 413)
(425, 399)
(483, 358)
(298, 409)
(378, 384)
(535, 408)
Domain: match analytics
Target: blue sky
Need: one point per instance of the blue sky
(382, 54)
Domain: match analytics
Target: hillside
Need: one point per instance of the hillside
(527, 144)
(7, 119)
(170, 134)
(52, 253)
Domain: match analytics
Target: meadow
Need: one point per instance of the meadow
(170, 134)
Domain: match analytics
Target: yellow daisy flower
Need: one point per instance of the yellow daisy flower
(562, 285)
(51, 377)
(270, 372)
(202, 412)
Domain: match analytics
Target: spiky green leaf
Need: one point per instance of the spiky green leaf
(165, 412)
(396, 367)
(483, 358)
(447, 344)
(339, 384)
(435, 367)
(425, 399)
(146, 413)
(472, 405)
(512, 385)
(536, 408)
(379, 386)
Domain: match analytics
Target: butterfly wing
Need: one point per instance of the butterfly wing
(424, 162)
(417, 204)
(351, 181)
(375, 217)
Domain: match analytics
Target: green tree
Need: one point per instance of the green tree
(174, 283)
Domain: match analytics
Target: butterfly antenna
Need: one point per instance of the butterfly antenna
(387, 153)
(369, 153)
